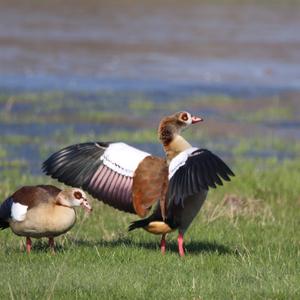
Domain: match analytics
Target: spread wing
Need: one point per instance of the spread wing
(107, 171)
(195, 170)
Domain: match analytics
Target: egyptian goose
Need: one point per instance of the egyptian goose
(132, 180)
(41, 211)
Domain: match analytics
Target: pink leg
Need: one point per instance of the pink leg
(51, 244)
(163, 244)
(28, 244)
(180, 244)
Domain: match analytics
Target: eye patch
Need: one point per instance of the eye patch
(77, 195)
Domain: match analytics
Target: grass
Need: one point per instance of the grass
(244, 244)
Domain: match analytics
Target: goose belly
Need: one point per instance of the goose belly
(187, 213)
(45, 221)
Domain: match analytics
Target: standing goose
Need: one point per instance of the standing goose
(132, 180)
(41, 211)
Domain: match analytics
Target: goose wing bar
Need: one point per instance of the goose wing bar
(195, 170)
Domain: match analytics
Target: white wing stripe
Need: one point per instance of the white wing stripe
(179, 161)
(18, 211)
(123, 158)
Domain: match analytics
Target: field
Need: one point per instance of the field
(244, 244)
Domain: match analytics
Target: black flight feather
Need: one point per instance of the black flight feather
(201, 171)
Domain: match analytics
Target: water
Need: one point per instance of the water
(148, 44)
(165, 51)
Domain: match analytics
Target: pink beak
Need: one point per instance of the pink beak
(196, 119)
(87, 207)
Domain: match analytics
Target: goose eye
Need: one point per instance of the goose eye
(184, 117)
(77, 195)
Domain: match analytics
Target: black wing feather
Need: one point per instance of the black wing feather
(76, 165)
(5, 212)
(210, 174)
(190, 182)
(201, 171)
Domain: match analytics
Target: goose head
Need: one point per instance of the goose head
(171, 126)
(73, 197)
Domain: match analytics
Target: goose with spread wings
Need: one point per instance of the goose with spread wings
(133, 181)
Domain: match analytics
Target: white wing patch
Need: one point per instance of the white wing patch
(179, 161)
(123, 158)
(18, 211)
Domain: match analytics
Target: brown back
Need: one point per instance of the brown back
(33, 195)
